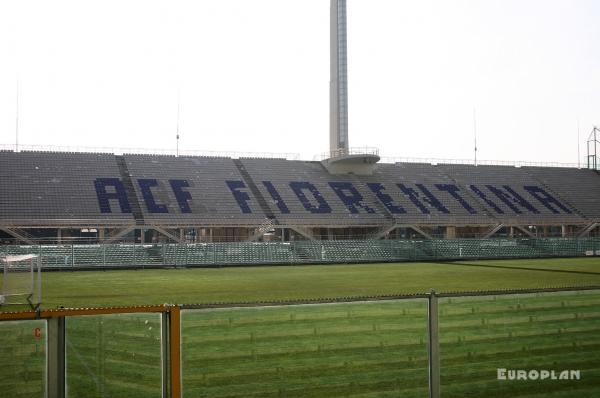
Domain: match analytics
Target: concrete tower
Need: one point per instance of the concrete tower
(342, 159)
(338, 86)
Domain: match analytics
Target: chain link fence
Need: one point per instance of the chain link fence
(301, 252)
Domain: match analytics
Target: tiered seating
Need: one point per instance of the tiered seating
(50, 188)
(212, 203)
(579, 188)
(516, 179)
(411, 174)
(280, 173)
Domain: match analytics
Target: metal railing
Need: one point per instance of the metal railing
(471, 162)
(286, 155)
(74, 256)
(337, 153)
(151, 151)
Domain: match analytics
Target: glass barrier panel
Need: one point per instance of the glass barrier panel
(23, 359)
(375, 349)
(114, 356)
(544, 344)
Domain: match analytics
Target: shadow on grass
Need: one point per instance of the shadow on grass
(521, 268)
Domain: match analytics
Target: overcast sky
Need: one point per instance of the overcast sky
(254, 75)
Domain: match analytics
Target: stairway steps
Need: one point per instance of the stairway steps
(134, 202)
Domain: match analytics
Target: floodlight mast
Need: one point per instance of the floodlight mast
(341, 159)
(592, 149)
(338, 86)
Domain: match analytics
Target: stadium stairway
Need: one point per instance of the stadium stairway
(304, 254)
(129, 189)
(264, 206)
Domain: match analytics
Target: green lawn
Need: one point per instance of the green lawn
(361, 349)
(201, 285)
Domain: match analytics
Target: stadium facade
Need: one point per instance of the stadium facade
(59, 196)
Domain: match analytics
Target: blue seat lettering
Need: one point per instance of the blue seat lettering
(546, 199)
(350, 197)
(276, 197)
(183, 197)
(453, 191)
(384, 198)
(488, 201)
(299, 187)
(512, 199)
(428, 198)
(104, 197)
(146, 188)
(241, 197)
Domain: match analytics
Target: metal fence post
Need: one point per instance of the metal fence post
(175, 351)
(214, 253)
(433, 346)
(165, 353)
(56, 357)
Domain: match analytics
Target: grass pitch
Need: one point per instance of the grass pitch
(236, 284)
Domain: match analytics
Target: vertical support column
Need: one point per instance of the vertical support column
(175, 350)
(165, 353)
(434, 347)
(56, 357)
(134, 259)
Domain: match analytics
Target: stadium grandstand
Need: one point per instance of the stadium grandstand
(90, 197)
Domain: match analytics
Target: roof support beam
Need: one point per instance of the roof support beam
(165, 233)
(17, 235)
(420, 231)
(588, 229)
(304, 232)
(493, 231)
(119, 235)
(524, 230)
(383, 231)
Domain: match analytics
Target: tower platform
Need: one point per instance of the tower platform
(360, 161)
